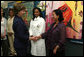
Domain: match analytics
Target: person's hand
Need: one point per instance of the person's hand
(10, 33)
(38, 37)
(55, 49)
(2, 36)
(33, 38)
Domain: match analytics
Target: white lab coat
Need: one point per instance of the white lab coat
(37, 27)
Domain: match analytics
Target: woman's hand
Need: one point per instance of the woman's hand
(33, 38)
(10, 33)
(38, 37)
(55, 49)
(2, 36)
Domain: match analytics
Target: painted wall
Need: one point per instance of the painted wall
(72, 13)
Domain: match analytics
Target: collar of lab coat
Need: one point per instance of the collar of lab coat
(11, 18)
(37, 18)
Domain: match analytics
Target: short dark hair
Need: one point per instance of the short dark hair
(18, 8)
(59, 13)
(38, 10)
(11, 9)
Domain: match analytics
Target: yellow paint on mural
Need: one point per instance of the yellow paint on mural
(76, 15)
(18, 1)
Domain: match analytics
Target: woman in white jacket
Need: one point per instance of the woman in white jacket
(37, 27)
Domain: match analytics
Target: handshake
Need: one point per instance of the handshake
(34, 38)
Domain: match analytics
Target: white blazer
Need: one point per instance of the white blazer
(37, 27)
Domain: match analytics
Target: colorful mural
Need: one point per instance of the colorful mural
(29, 7)
(72, 13)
